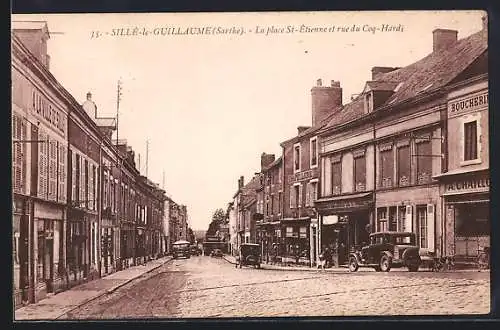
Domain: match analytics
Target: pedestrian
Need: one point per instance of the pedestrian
(321, 263)
(328, 257)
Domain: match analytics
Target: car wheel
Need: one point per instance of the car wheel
(377, 268)
(353, 264)
(385, 263)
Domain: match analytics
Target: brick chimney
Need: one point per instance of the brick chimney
(266, 160)
(443, 38)
(324, 100)
(378, 70)
(301, 129)
(241, 182)
(34, 35)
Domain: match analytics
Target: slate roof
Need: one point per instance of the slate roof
(426, 75)
(382, 85)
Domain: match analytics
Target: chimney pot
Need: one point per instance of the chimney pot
(325, 100)
(443, 38)
(319, 83)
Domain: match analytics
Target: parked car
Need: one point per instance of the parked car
(387, 250)
(249, 255)
(216, 253)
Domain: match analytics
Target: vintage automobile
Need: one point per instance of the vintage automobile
(249, 255)
(387, 250)
(194, 250)
(181, 249)
(216, 253)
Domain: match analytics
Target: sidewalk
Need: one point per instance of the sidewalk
(294, 267)
(58, 305)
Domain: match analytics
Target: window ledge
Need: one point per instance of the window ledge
(470, 162)
(313, 166)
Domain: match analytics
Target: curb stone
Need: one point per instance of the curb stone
(111, 290)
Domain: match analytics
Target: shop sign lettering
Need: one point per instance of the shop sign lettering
(469, 104)
(301, 176)
(42, 108)
(468, 185)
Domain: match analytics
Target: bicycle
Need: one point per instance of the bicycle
(483, 258)
(443, 264)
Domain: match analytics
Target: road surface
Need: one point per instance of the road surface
(210, 287)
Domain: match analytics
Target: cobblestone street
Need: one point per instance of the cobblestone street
(211, 287)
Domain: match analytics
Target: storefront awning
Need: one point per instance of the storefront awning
(344, 203)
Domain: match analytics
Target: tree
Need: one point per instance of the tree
(218, 218)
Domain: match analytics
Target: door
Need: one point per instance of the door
(48, 264)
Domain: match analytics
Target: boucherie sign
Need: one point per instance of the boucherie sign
(467, 104)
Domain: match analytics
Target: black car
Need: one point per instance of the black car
(249, 255)
(387, 250)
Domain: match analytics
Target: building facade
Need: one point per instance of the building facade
(269, 206)
(382, 154)
(80, 206)
(301, 173)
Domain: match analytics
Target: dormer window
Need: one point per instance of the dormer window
(369, 102)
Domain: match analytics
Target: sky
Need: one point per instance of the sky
(209, 105)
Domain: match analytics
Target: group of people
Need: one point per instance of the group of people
(326, 258)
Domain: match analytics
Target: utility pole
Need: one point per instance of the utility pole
(118, 96)
(147, 155)
(139, 163)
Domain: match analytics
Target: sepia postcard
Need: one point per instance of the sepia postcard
(232, 165)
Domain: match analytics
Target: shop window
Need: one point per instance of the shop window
(401, 218)
(470, 141)
(404, 165)
(289, 231)
(386, 166)
(422, 225)
(424, 160)
(336, 175)
(382, 219)
(472, 220)
(296, 158)
(359, 171)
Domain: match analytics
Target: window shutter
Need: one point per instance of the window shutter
(42, 165)
(301, 198)
(17, 157)
(292, 197)
(308, 194)
(408, 219)
(81, 183)
(431, 227)
(73, 176)
(22, 162)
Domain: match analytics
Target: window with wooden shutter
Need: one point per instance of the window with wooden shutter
(336, 175)
(53, 170)
(17, 155)
(359, 170)
(308, 194)
(424, 160)
(470, 141)
(62, 173)
(300, 199)
(386, 165)
(42, 165)
(76, 198)
(404, 164)
(292, 197)
(91, 186)
(73, 176)
(81, 183)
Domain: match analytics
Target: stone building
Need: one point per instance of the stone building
(381, 153)
(300, 157)
(465, 182)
